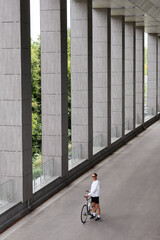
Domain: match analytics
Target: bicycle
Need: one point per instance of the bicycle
(86, 210)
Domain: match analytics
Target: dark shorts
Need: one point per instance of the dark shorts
(95, 199)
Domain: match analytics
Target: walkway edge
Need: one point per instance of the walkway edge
(17, 212)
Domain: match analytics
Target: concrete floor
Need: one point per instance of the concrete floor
(130, 199)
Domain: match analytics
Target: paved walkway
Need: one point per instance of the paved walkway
(130, 199)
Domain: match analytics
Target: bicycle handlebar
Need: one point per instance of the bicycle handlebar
(87, 198)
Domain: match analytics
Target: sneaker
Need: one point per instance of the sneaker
(97, 218)
(92, 217)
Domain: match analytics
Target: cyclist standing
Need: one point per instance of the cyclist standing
(94, 193)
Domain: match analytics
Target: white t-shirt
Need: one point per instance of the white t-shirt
(95, 189)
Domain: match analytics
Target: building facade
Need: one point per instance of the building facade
(110, 102)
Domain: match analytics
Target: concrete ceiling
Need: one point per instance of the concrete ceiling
(144, 12)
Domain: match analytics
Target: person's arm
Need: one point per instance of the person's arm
(93, 189)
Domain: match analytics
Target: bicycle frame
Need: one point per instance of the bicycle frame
(86, 210)
(89, 205)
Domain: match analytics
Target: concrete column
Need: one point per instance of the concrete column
(117, 76)
(129, 75)
(54, 84)
(15, 98)
(158, 108)
(100, 77)
(81, 77)
(139, 75)
(152, 74)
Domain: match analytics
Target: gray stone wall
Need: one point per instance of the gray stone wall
(129, 75)
(15, 97)
(152, 74)
(117, 61)
(139, 75)
(158, 74)
(100, 77)
(54, 84)
(81, 76)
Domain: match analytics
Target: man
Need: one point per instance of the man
(94, 193)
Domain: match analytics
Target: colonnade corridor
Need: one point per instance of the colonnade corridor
(130, 199)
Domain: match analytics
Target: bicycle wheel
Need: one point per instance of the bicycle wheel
(84, 213)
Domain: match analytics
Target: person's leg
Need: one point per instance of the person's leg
(98, 209)
(94, 207)
(94, 210)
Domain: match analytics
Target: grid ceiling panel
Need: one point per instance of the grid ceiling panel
(155, 2)
(143, 12)
(104, 4)
(124, 3)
